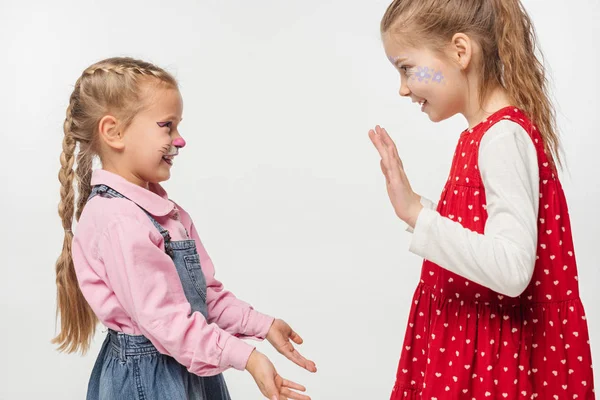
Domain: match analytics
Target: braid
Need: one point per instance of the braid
(77, 318)
(66, 173)
(84, 178)
(126, 66)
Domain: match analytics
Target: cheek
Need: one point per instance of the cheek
(426, 80)
(419, 88)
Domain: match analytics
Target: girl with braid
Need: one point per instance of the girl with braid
(497, 312)
(136, 262)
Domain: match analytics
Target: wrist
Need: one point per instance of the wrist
(251, 360)
(413, 215)
(271, 330)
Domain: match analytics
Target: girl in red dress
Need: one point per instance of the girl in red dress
(497, 312)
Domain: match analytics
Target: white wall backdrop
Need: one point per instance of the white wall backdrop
(279, 175)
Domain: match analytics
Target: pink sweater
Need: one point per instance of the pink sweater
(133, 286)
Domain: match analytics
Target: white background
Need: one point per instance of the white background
(279, 175)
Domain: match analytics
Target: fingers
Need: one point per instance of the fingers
(294, 356)
(292, 385)
(391, 146)
(270, 390)
(383, 153)
(391, 164)
(298, 359)
(379, 145)
(385, 137)
(392, 151)
(384, 145)
(286, 392)
(296, 338)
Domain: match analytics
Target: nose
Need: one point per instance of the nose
(404, 90)
(179, 142)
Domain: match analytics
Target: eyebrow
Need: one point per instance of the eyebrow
(396, 60)
(172, 117)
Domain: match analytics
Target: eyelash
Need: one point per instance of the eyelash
(165, 124)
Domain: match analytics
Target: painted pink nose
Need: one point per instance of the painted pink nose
(179, 142)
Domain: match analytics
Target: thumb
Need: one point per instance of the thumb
(296, 338)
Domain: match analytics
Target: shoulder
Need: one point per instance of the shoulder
(507, 151)
(509, 140)
(506, 130)
(102, 214)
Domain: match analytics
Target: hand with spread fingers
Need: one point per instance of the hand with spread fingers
(406, 203)
(270, 383)
(281, 336)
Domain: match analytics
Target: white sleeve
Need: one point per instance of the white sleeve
(503, 257)
(425, 202)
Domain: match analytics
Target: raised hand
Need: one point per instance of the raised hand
(405, 201)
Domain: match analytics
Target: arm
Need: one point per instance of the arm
(224, 309)
(148, 287)
(503, 258)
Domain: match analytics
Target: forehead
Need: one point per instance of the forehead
(162, 98)
(397, 51)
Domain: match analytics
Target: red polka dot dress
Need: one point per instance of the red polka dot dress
(464, 341)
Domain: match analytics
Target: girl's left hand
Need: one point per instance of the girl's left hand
(405, 201)
(279, 336)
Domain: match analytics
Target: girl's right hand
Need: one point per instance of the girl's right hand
(405, 201)
(273, 386)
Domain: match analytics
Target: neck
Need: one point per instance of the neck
(476, 111)
(126, 174)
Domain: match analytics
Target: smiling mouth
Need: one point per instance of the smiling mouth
(168, 159)
(170, 154)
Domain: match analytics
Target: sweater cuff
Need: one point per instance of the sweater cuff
(426, 203)
(259, 325)
(421, 234)
(236, 353)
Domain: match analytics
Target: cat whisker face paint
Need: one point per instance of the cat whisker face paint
(169, 152)
(172, 150)
(177, 144)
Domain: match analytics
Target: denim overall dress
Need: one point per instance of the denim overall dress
(129, 367)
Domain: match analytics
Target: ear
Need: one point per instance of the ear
(461, 49)
(110, 134)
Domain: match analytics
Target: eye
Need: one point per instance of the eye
(165, 124)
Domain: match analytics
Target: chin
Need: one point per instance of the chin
(437, 117)
(158, 178)
(163, 178)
